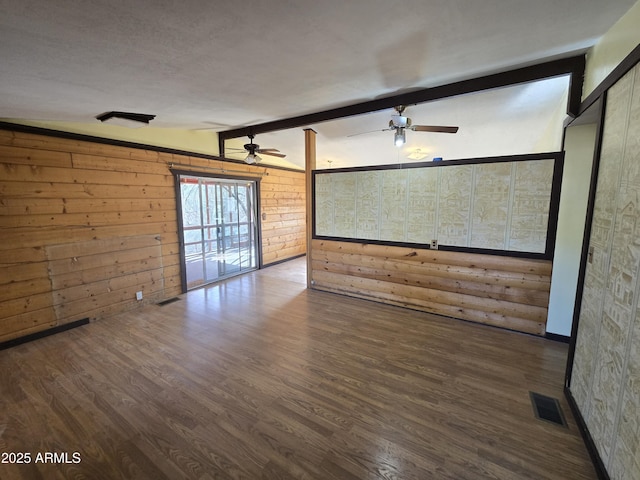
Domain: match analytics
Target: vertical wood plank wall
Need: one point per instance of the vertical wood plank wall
(83, 226)
(507, 292)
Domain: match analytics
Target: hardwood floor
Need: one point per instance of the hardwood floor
(259, 378)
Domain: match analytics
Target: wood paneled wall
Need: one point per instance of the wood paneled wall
(282, 205)
(84, 225)
(502, 291)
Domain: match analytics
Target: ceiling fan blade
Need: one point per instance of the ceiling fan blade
(266, 150)
(371, 131)
(433, 128)
(271, 152)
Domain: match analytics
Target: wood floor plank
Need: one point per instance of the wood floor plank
(259, 378)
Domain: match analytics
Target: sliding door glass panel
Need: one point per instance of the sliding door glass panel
(192, 231)
(219, 225)
(211, 230)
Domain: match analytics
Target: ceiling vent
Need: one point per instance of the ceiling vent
(126, 119)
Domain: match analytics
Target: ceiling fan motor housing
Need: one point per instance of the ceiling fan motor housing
(399, 121)
(251, 148)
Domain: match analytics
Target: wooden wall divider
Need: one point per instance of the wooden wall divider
(501, 291)
(85, 225)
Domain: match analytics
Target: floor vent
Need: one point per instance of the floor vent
(167, 301)
(547, 408)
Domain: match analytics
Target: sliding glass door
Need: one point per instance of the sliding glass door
(219, 228)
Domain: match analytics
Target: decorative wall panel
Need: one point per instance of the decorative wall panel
(368, 204)
(393, 205)
(497, 205)
(530, 214)
(422, 204)
(344, 204)
(491, 209)
(455, 206)
(605, 382)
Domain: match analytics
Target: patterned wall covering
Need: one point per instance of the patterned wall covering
(605, 379)
(500, 205)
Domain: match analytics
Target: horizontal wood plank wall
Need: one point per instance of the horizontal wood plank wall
(282, 205)
(83, 226)
(506, 292)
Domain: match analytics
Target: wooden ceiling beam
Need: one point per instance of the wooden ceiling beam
(573, 66)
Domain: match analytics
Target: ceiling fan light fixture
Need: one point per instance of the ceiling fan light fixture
(399, 138)
(126, 119)
(252, 158)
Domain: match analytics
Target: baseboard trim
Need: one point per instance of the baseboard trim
(42, 334)
(284, 260)
(598, 464)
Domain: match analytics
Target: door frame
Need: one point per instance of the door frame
(178, 196)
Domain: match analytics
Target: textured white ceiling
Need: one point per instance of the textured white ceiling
(221, 64)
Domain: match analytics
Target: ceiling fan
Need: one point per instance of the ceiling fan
(399, 124)
(254, 149)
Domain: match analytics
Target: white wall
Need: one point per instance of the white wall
(579, 147)
(612, 48)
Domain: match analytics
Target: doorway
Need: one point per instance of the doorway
(219, 228)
